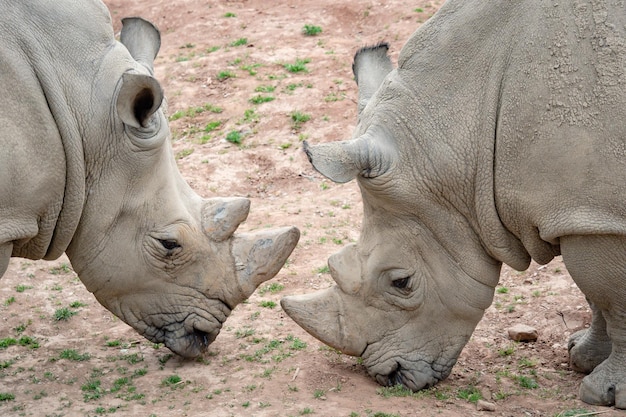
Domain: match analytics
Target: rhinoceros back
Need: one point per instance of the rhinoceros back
(48, 56)
(561, 141)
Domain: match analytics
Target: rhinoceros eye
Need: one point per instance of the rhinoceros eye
(169, 244)
(401, 283)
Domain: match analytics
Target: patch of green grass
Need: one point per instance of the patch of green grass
(267, 304)
(234, 136)
(22, 288)
(311, 30)
(7, 396)
(224, 75)
(296, 344)
(171, 381)
(323, 270)
(318, 393)
(471, 394)
(9, 301)
(247, 332)
(7, 341)
(28, 341)
(184, 153)
(502, 290)
(507, 351)
(265, 89)
(394, 391)
(230, 14)
(333, 97)
(260, 99)
(306, 411)
(526, 382)
(72, 355)
(62, 269)
(92, 390)
(211, 126)
(298, 66)
(251, 68)
(273, 288)
(239, 42)
(298, 118)
(195, 110)
(6, 364)
(77, 304)
(132, 358)
(64, 314)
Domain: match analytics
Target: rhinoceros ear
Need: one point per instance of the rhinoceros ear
(343, 161)
(142, 39)
(138, 98)
(370, 67)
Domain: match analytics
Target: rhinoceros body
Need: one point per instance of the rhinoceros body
(86, 168)
(500, 137)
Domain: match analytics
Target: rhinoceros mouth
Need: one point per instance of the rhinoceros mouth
(190, 335)
(414, 380)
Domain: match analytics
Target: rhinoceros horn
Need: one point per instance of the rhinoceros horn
(322, 314)
(258, 255)
(222, 216)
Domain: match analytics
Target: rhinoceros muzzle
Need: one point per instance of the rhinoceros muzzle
(414, 379)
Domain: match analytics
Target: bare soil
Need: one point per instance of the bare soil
(225, 54)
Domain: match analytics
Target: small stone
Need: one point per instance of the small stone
(522, 333)
(483, 405)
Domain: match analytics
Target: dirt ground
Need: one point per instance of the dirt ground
(221, 63)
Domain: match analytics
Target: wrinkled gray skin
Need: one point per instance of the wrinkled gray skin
(86, 168)
(499, 138)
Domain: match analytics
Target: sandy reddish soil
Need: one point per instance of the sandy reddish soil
(263, 364)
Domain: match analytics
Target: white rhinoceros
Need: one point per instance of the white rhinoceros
(500, 137)
(86, 168)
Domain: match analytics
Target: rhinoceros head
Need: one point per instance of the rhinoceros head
(154, 253)
(405, 302)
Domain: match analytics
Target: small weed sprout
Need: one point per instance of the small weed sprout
(224, 75)
(311, 30)
(298, 66)
(502, 290)
(507, 351)
(6, 396)
(323, 270)
(234, 136)
(230, 14)
(22, 288)
(265, 89)
(64, 314)
(239, 42)
(72, 355)
(319, 393)
(471, 394)
(298, 118)
(274, 287)
(260, 99)
(171, 381)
